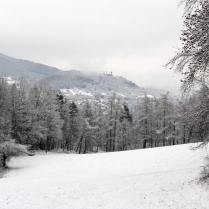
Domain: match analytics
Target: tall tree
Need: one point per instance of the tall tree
(143, 121)
(71, 124)
(166, 120)
(193, 58)
(192, 61)
(5, 119)
(20, 111)
(111, 123)
(197, 115)
(125, 123)
(46, 123)
(87, 128)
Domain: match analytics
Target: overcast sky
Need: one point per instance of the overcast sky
(131, 38)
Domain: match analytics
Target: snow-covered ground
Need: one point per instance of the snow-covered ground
(75, 91)
(149, 178)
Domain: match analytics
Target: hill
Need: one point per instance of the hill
(158, 178)
(95, 86)
(16, 68)
(76, 85)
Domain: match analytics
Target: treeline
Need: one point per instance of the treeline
(36, 115)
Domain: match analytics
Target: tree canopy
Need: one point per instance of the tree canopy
(192, 58)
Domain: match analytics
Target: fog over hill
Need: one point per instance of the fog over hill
(77, 85)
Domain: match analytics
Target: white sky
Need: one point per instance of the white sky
(131, 38)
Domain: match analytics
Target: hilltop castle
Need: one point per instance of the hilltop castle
(108, 73)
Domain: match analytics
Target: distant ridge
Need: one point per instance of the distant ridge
(16, 68)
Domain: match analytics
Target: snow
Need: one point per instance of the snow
(10, 80)
(148, 95)
(121, 95)
(148, 178)
(75, 91)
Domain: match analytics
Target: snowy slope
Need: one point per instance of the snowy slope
(150, 178)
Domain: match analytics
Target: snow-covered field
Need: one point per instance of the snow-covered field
(149, 178)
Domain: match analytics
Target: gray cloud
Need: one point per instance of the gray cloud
(131, 38)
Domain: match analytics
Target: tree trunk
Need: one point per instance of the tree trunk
(4, 160)
(85, 145)
(79, 145)
(144, 143)
(164, 128)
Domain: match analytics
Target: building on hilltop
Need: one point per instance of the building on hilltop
(108, 73)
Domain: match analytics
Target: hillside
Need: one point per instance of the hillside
(158, 178)
(16, 68)
(95, 86)
(77, 85)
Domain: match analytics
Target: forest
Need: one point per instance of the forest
(37, 116)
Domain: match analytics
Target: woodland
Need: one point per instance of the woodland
(38, 116)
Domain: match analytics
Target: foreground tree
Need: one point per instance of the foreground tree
(193, 58)
(192, 62)
(197, 115)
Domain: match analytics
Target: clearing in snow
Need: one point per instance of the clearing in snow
(163, 177)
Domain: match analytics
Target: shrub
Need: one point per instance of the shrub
(204, 174)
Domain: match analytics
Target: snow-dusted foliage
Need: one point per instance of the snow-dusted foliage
(192, 61)
(5, 123)
(35, 115)
(155, 122)
(204, 174)
(30, 115)
(11, 149)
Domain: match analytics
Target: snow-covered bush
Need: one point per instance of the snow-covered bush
(11, 149)
(204, 174)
